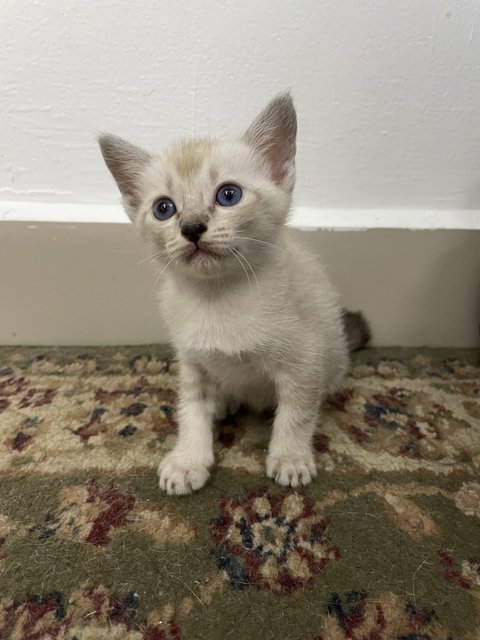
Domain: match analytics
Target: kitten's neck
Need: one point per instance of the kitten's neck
(207, 288)
(242, 276)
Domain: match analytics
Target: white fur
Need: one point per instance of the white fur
(281, 343)
(258, 325)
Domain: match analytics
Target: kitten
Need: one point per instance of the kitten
(252, 315)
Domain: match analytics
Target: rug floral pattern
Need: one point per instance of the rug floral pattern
(385, 544)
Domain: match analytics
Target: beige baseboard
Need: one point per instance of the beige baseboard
(73, 284)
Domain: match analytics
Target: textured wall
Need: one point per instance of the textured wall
(387, 92)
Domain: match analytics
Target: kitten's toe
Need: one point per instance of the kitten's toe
(178, 478)
(291, 471)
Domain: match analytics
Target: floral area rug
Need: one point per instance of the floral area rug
(385, 544)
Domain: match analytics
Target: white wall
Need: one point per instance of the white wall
(387, 91)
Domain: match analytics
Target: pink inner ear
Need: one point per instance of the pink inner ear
(126, 163)
(278, 149)
(278, 158)
(273, 135)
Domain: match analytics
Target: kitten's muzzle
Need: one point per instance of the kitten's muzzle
(193, 232)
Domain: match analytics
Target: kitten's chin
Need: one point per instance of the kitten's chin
(202, 262)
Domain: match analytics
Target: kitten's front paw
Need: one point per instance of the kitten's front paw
(291, 471)
(178, 477)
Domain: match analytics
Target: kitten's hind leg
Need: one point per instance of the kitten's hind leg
(225, 407)
(290, 459)
(185, 468)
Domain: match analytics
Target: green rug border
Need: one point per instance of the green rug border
(103, 354)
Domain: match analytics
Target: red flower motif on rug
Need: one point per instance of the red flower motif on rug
(90, 612)
(357, 615)
(277, 542)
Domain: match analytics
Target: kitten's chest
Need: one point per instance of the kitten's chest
(229, 325)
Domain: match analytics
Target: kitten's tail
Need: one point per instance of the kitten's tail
(356, 329)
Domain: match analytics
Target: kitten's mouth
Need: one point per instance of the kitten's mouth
(201, 252)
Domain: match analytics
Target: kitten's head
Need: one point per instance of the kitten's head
(207, 205)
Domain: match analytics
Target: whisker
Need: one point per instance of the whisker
(253, 273)
(243, 267)
(159, 275)
(155, 255)
(259, 241)
(251, 269)
(269, 244)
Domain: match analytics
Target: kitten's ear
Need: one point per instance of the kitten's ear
(273, 133)
(126, 163)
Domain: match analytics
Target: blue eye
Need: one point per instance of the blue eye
(164, 209)
(228, 195)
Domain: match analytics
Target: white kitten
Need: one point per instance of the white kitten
(252, 315)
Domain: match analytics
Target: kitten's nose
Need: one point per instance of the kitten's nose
(193, 231)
